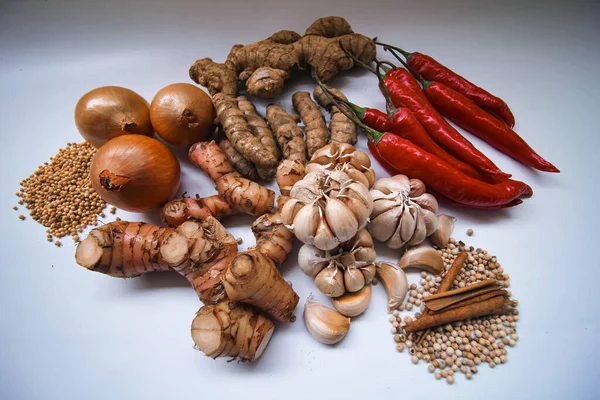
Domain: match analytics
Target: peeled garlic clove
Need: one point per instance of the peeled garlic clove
(395, 283)
(324, 239)
(420, 232)
(311, 260)
(426, 201)
(353, 279)
(417, 187)
(422, 257)
(306, 222)
(325, 324)
(368, 272)
(442, 234)
(340, 219)
(353, 304)
(431, 221)
(330, 281)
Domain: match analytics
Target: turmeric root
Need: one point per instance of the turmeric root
(314, 122)
(288, 173)
(238, 132)
(261, 131)
(342, 129)
(231, 330)
(253, 278)
(320, 49)
(177, 211)
(238, 161)
(241, 194)
(200, 251)
(287, 132)
(273, 239)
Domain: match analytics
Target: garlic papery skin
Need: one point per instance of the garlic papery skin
(442, 234)
(395, 283)
(345, 157)
(325, 324)
(312, 260)
(353, 279)
(369, 273)
(398, 219)
(340, 219)
(423, 257)
(330, 281)
(353, 304)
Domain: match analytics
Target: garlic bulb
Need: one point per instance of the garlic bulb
(403, 214)
(395, 283)
(325, 324)
(343, 156)
(327, 208)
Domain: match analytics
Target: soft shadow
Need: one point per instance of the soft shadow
(161, 280)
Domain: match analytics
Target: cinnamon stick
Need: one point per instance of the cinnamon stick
(495, 305)
(453, 272)
(468, 288)
(478, 299)
(443, 303)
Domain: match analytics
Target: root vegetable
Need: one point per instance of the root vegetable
(325, 324)
(110, 111)
(182, 114)
(231, 330)
(238, 161)
(253, 278)
(342, 156)
(320, 49)
(260, 129)
(200, 251)
(342, 129)
(177, 211)
(273, 239)
(288, 173)
(237, 130)
(135, 173)
(241, 194)
(314, 122)
(288, 134)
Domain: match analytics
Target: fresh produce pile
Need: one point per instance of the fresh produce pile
(329, 197)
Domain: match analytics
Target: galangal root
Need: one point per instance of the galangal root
(241, 194)
(240, 163)
(287, 132)
(200, 251)
(314, 122)
(264, 65)
(341, 128)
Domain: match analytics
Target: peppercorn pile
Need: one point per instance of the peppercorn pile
(59, 194)
(460, 346)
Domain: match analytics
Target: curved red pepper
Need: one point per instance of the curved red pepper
(466, 114)
(432, 70)
(443, 178)
(404, 76)
(438, 128)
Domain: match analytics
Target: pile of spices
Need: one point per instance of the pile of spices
(463, 345)
(59, 194)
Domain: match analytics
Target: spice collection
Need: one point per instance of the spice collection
(459, 315)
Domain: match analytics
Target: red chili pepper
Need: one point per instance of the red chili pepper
(404, 76)
(466, 114)
(438, 128)
(432, 70)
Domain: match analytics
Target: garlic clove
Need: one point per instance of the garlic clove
(361, 239)
(442, 234)
(330, 281)
(407, 223)
(340, 219)
(324, 239)
(370, 175)
(353, 304)
(383, 227)
(431, 221)
(383, 205)
(366, 255)
(417, 187)
(353, 280)
(347, 259)
(306, 222)
(420, 232)
(360, 160)
(289, 211)
(423, 257)
(396, 183)
(312, 260)
(360, 210)
(325, 324)
(357, 175)
(358, 191)
(395, 283)
(368, 272)
(426, 201)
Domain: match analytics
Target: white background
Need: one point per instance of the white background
(67, 333)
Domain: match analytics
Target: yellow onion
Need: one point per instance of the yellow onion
(110, 111)
(182, 114)
(135, 173)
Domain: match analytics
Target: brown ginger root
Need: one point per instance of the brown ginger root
(241, 194)
(260, 129)
(231, 330)
(320, 49)
(177, 211)
(253, 278)
(314, 122)
(266, 82)
(273, 239)
(287, 132)
(239, 133)
(200, 251)
(342, 129)
(238, 161)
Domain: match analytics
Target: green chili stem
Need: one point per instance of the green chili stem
(405, 53)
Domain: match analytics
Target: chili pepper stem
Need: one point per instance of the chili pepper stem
(424, 82)
(405, 53)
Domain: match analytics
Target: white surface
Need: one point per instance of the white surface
(67, 333)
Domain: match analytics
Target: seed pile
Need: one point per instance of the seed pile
(460, 346)
(59, 194)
